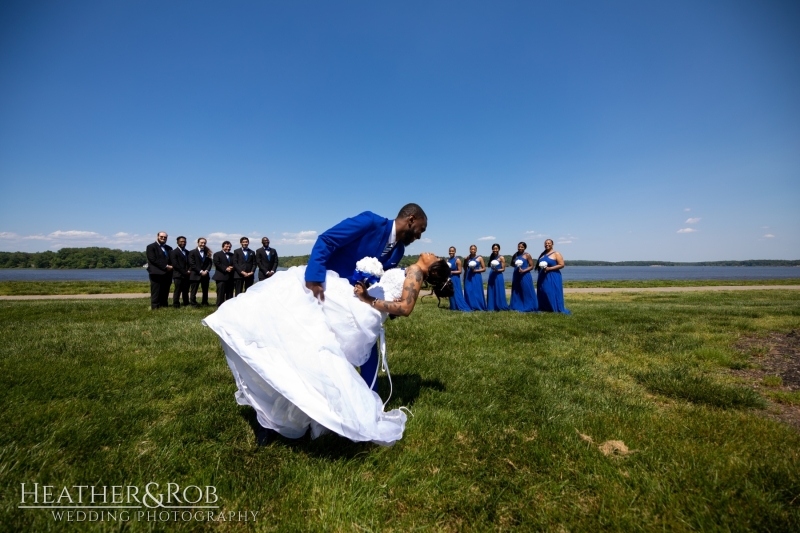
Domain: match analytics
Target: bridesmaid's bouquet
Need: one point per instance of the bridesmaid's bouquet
(543, 264)
(368, 270)
(473, 264)
(519, 263)
(495, 264)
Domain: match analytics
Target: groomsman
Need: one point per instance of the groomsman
(244, 266)
(223, 273)
(180, 273)
(159, 270)
(266, 260)
(200, 266)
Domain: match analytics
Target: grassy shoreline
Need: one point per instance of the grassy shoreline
(109, 393)
(31, 288)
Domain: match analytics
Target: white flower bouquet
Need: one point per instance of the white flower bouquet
(495, 264)
(542, 264)
(519, 263)
(368, 269)
(473, 264)
(371, 266)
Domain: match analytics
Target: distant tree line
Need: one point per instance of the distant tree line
(93, 257)
(74, 258)
(293, 260)
(107, 258)
(411, 259)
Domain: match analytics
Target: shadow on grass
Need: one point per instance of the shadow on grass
(407, 388)
(688, 385)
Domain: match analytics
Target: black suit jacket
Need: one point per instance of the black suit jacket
(266, 264)
(180, 264)
(156, 260)
(198, 263)
(240, 264)
(220, 264)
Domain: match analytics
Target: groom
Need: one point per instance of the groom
(364, 235)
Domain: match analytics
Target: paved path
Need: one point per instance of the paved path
(567, 291)
(685, 289)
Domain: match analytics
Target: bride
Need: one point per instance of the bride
(293, 357)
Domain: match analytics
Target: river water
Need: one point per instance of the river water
(575, 273)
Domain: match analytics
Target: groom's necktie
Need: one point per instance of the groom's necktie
(387, 251)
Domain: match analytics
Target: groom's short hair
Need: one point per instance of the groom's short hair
(412, 210)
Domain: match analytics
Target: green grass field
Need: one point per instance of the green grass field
(109, 393)
(25, 288)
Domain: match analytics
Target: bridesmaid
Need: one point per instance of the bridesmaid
(523, 296)
(457, 301)
(496, 291)
(473, 283)
(549, 285)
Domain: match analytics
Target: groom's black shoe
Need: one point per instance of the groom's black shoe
(265, 435)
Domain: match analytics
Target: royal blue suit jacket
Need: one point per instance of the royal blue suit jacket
(349, 241)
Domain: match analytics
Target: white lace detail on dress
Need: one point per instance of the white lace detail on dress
(390, 287)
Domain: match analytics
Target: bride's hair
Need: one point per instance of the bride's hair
(439, 279)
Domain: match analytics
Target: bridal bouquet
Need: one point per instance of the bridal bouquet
(368, 269)
(519, 263)
(473, 264)
(542, 264)
(495, 264)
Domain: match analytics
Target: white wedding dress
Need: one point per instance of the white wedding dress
(294, 358)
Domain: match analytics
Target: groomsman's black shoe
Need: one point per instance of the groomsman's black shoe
(264, 436)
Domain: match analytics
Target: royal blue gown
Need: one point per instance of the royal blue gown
(523, 296)
(496, 292)
(457, 301)
(550, 289)
(473, 288)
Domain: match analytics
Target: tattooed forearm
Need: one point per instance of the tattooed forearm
(411, 288)
(393, 308)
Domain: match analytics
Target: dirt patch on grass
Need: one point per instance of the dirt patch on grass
(774, 371)
(609, 447)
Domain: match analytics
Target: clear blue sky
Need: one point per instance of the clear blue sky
(623, 130)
